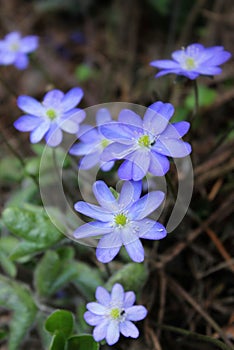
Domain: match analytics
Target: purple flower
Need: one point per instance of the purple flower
(93, 143)
(47, 119)
(192, 61)
(113, 314)
(14, 49)
(145, 144)
(121, 220)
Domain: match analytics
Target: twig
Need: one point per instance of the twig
(171, 253)
(175, 287)
(196, 336)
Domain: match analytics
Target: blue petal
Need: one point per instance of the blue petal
(102, 296)
(136, 313)
(38, 133)
(165, 64)
(81, 149)
(169, 71)
(96, 308)
(158, 231)
(111, 240)
(92, 229)
(116, 151)
(176, 130)
(90, 160)
(129, 299)
(69, 126)
(117, 294)
(207, 70)
(103, 116)
(99, 332)
(159, 164)
(146, 205)
(128, 329)
(105, 255)
(54, 136)
(120, 132)
(215, 55)
(30, 105)
(134, 248)
(112, 334)
(126, 115)
(125, 170)
(92, 319)
(141, 161)
(157, 116)
(27, 123)
(72, 98)
(172, 147)
(194, 50)
(89, 134)
(94, 211)
(21, 61)
(52, 99)
(104, 196)
(77, 115)
(29, 43)
(7, 57)
(106, 166)
(130, 192)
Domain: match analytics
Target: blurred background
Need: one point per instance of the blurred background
(105, 47)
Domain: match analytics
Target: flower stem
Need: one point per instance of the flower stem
(196, 96)
(196, 336)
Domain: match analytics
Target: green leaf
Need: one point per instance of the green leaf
(87, 279)
(206, 96)
(82, 342)
(60, 321)
(7, 265)
(132, 276)
(161, 6)
(52, 273)
(7, 244)
(10, 170)
(17, 298)
(28, 193)
(84, 72)
(33, 225)
(58, 342)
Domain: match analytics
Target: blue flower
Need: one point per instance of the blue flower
(193, 61)
(121, 221)
(93, 143)
(113, 314)
(145, 144)
(14, 49)
(47, 119)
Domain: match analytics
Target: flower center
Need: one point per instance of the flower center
(15, 47)
(121, 219)
(105, 143)
(115, 313)
(51, 114)
(190, 63)
(144, 141)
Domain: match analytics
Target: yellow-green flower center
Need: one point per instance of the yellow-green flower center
(15, 47)
(115, 313)
(144, 141)
(190, 63)
(51, 114)
(105, 143)
(121, 219)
